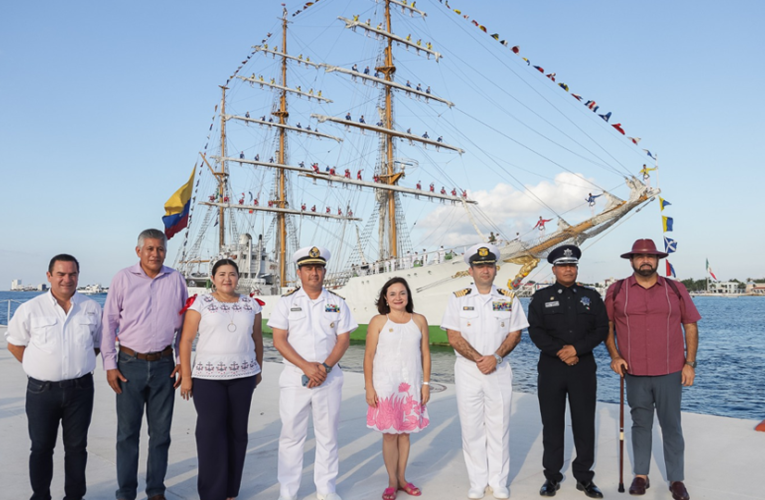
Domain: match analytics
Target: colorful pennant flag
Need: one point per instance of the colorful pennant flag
(667, 223)
(634, 140)
(576, 96)
(670, 270)
(618, 126)
(649, 154)
(663, 203)
(670, 245)
(606, 117)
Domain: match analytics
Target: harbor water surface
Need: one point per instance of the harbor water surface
(729, 377)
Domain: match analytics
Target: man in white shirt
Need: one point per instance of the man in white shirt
(484, 324)
(56, 337)
(312, 328)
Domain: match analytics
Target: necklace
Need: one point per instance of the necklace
(231, 327)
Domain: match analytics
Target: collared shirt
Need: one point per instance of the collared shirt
(59, 345)
(312, 325)
(143, 312)
(484, 320)
(648, 324)
(567, 315)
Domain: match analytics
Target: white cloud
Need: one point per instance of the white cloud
(511, 210)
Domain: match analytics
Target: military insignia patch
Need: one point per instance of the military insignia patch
(332, 308)
(463, 292)
(314, 252)
(468, 308)
(502, 306)
(506, 293)
(586, 302)
(483, 251)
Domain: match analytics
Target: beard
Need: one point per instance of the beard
(645, 270)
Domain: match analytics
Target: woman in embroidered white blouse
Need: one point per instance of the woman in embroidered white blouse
(226, 369)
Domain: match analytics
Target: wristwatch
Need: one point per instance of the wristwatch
(692, 364)
(327, 367)
(498, 358)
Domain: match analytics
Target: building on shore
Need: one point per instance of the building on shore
(18, 286)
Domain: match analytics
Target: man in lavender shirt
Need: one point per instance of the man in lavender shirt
(142, 311)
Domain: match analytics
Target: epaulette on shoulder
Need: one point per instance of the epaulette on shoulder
(291, 292)
(506, 293)
(333, 293)
(463, 292)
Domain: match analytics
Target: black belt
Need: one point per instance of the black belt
(148, 356)
(63, 384)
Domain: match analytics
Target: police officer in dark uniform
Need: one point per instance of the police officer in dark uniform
(566, 322)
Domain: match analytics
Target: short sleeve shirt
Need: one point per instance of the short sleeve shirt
(225, 349)
(648, 322)
(484, 320)
(59, 345)
(312, 325)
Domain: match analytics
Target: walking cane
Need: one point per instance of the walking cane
(621, 432)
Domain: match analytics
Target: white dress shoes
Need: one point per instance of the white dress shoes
(500, 492)
(328, 496)
(475, 493)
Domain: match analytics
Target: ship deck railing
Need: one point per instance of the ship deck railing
(8, 307)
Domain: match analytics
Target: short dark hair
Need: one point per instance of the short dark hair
(63, 257)
(382, 304)
(224, 262)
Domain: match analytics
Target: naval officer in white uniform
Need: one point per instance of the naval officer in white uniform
(312, 328)
(484, 324)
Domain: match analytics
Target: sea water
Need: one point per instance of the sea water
(730, 376)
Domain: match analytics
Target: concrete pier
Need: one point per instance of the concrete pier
(724, 456)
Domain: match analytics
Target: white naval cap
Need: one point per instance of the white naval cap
(482, 253)
(311, 255)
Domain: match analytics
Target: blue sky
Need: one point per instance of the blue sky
(104, 107)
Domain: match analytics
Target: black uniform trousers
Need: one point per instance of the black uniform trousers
(579, 382)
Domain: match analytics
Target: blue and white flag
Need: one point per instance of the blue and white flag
(670, 245)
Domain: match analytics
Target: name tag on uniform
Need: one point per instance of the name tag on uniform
(552, 304)
(296, 309)
(502, 306)
(468, 308)
(332, 308)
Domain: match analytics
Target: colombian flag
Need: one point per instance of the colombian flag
(177, 208)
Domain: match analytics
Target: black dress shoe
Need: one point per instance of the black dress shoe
(639, 485)
(589, 489)
(678, 491)
(549, 488)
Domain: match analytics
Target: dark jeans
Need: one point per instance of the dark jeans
(48, 403)
(148, 384)
(223, 410)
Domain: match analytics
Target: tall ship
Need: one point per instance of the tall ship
(394, 137)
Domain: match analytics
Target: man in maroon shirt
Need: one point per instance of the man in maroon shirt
(647, 318)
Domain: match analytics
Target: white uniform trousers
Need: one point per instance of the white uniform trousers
(296, 404)
(483, 402)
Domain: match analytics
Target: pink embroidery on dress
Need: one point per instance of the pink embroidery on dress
(403, 387)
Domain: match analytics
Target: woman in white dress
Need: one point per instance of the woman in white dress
(397, 379)
(224, 374)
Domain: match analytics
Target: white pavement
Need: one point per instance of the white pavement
(724, 456)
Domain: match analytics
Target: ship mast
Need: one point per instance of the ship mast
(222, 174)
(281, 218)
(388, 70)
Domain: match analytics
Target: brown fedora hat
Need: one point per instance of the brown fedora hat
(645, 246)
